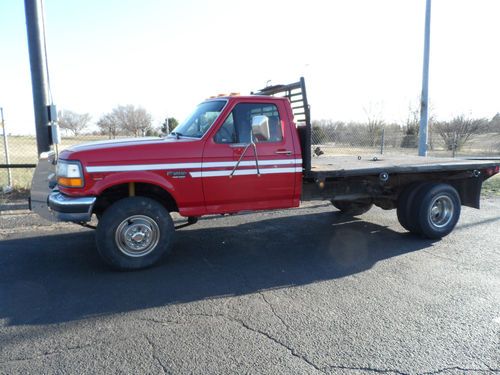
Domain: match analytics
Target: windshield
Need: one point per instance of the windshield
(200, 120)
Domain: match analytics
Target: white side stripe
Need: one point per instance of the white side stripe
(176, 166)
(142, 167)
(251, 163)
(245, 172)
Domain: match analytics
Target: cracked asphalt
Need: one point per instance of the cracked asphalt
(302, 291)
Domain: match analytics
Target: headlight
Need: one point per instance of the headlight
(69, 173)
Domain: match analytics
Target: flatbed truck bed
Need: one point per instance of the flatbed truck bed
(382, 180)
(324, 167)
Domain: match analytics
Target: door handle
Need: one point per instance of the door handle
(238, 145)
(285, 152)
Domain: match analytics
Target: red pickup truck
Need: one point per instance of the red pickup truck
(240, 153)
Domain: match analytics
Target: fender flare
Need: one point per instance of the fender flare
(146, 177)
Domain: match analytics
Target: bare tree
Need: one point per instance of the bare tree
(411, 128)
(72, 121)
(495, 123)
(375, 123)
(411, 125)
(109, 125)
(131, 120)
(459, 130)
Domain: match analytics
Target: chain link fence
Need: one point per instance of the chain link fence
(362, 139)
(17, 151)
(327, 139)
(18, 158)
(20, 152)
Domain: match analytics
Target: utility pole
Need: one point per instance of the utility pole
(6, 149)
(424, 101)
(38, 64)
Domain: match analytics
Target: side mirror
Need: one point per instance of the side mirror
(260, 127)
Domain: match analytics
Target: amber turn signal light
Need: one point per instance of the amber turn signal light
(69, 182)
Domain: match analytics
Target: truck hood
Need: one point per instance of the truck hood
(114, 143)
(132, 150)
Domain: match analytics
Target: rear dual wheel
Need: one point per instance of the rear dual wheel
(429, 209)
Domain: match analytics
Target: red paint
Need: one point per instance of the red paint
(196, 196)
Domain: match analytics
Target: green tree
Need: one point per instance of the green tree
(168, 125)
(153, 132)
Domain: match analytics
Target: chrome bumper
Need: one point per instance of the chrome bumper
(53, 205)
(74, 209)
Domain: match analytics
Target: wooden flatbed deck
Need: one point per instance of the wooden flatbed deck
(345, 166)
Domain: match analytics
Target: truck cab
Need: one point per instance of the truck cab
(232, 154)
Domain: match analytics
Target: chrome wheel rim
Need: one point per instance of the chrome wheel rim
(137, 236)
(441, 211)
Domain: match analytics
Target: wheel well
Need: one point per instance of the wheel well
(117, 192)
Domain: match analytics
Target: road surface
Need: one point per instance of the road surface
(303, 291)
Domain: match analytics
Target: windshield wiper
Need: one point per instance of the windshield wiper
(177, 134)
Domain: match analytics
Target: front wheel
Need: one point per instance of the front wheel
(134, 233)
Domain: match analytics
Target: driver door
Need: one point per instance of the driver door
(237, 175)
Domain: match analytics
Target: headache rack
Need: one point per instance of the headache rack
(296, 93)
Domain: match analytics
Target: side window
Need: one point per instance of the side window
(238, 126)
(227, 132)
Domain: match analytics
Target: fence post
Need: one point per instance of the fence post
(454, 146)
(382, 142)
(6, 149)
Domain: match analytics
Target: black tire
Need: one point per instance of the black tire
(353, 208)
(437, 210)
(143, 218)
(405, 214)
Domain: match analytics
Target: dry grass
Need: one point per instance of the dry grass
(491, 187)
(23, 150)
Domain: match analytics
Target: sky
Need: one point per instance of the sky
(359, 57)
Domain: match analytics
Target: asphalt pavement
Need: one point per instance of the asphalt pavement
(302, 291)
